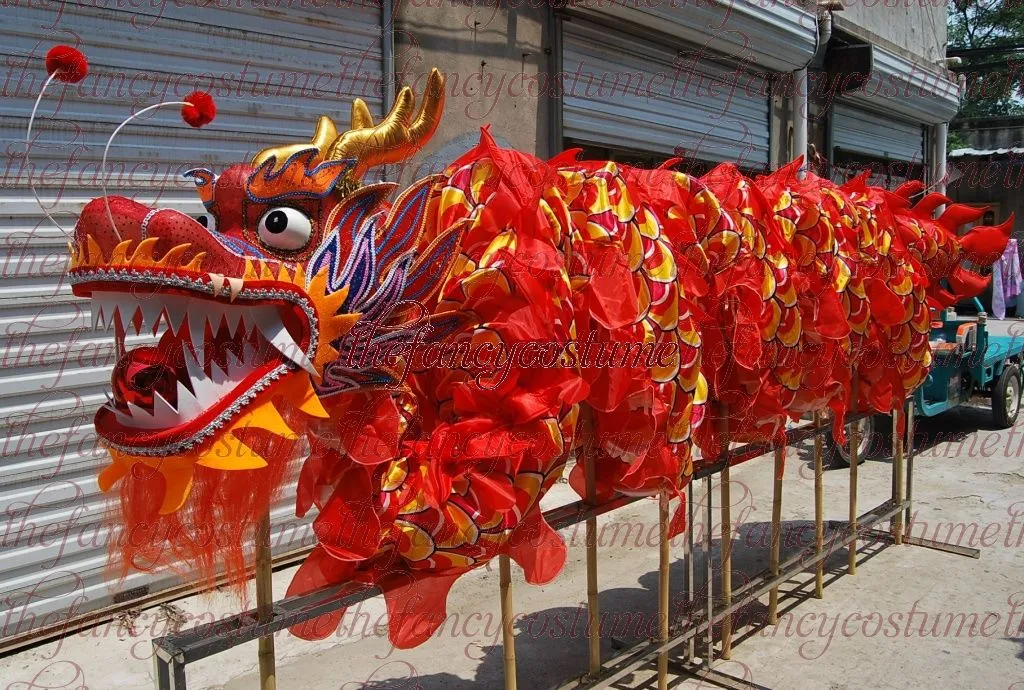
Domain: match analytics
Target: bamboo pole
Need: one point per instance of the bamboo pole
(819, 511)
(663, 594)
(773, 595)
(508, 639)
(265, 602)
(910, 462)
(593, 605)
(691, 650)
(854, 461)
(709, 574)
(897, 476)
(726, 547)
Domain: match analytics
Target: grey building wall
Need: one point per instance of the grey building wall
(996, 179)
(991, 132)
(496, 61)
(498, 57)
(917, 29)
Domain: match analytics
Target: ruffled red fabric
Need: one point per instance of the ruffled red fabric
(776, 293)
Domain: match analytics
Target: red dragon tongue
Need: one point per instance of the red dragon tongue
(141, 373)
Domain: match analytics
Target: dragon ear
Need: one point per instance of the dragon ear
(204, 180)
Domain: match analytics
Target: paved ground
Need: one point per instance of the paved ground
(910, 618)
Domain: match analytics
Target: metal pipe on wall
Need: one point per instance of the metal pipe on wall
(801, 86)
(387, 52)
(940, 133)
(800, 118)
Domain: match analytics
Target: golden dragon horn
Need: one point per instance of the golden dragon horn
(398, 136)
(395, 139)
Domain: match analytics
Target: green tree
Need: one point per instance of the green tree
(991, 31)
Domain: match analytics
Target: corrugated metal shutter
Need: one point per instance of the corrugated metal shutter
(911, 89)
(622, 92)
(779, 36)
(876, 134)
(272, 74)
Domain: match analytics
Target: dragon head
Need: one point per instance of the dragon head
(226, 321)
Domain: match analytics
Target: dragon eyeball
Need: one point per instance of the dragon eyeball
(208, 221)
(285, 228)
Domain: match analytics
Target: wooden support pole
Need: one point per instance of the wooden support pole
(773, 595)
(508, 639)
(593, 605)
(854, 462)
(663, 593)
(726, 546)
(819, 510)
(897, 472)
(265, 602)
(910, 462)
(709, 583)
(691, 645)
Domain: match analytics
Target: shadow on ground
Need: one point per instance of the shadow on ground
(551, 644)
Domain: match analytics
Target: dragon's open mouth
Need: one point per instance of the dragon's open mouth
(223, 343)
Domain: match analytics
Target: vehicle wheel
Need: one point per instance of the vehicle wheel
(865, 437)
(1006, 397)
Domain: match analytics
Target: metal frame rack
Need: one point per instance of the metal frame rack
(174, 652)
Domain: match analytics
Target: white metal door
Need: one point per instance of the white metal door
(272, 73)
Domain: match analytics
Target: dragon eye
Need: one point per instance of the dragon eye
(285, 228)
(207, 220)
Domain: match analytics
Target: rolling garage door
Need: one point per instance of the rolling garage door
(272, 74)
(623, 92)
(876, 134)
(893, 147)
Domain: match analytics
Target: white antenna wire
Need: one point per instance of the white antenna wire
(28, 146)
(106, 150)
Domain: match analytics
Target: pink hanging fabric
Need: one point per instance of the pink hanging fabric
(1006, 280)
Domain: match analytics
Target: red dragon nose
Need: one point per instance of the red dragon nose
(137, 222)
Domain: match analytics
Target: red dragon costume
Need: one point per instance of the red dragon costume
(585, 308)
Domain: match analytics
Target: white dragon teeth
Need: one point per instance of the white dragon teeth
(235, 318)
(194, 367)
(151, 312)
(147, 314)
(164, 412)
(197, 333)
(188, 406)
(278, 336)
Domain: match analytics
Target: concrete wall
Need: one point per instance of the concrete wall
(916, 28)
(495, 59)
(991, 133)
(998, 179)
(998, 183)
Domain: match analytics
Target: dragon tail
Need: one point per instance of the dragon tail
(954, 259)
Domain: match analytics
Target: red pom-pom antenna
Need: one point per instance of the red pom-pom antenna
(199, 109)
(66, 64)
